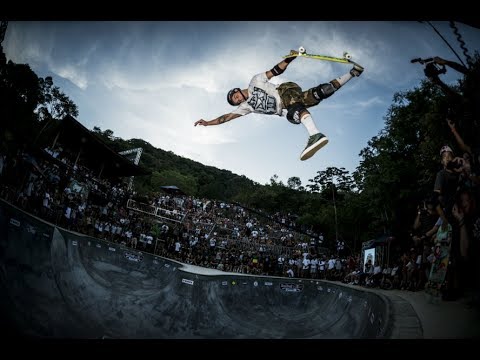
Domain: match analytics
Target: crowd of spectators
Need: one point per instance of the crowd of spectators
(202, 232)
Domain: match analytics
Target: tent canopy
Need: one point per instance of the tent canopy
(171, 189)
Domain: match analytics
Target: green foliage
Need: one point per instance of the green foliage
(187, 182)
(19, 96)
(53, 103)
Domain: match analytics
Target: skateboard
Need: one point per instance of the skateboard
(301, 52)
(438, 271)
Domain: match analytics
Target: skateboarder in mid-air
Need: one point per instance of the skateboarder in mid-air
(285, 99)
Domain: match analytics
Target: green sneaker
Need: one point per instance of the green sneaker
(315, 143)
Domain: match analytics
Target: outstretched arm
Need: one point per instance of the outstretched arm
(281, 66)
(459, 139)
(219, 120)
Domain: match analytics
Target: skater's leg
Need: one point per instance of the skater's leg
(316, 94)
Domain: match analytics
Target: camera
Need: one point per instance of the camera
(453, 165)
(433, 70)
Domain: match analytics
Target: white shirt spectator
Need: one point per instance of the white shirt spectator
(149, 239)
(68, 212)
(322, 265)
(338, 264)
(331, 264)
(306, 263)
(46, 199)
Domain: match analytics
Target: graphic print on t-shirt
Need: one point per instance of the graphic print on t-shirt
(261, 102)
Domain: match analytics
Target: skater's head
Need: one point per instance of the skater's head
(446, 154)
(235, 97)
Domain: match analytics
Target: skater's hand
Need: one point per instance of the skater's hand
(201, 122)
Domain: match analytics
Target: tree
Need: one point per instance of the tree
(332, 180)
(53, 103)
(186, 183)
(19, 96)
(294, 183)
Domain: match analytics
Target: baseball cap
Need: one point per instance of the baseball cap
(445, 148)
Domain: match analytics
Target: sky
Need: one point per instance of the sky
(153, 79)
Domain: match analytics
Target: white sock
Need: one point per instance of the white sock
(342, 80)
(307, 121)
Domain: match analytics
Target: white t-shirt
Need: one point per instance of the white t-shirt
(263, 98)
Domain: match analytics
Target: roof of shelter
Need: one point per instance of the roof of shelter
(95, 152)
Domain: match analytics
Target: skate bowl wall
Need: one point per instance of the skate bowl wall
(56, 283)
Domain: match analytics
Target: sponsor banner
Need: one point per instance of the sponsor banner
(224, 283)
(74, 243)
(31, 229)
(268, 283)
(98, 246)
(187, 281)
(14, 222)
(111, 248)
(132, 257)
(291, 287)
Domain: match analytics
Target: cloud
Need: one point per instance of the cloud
(69, 72)
(370, 102)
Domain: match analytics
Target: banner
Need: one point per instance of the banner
(291, 287)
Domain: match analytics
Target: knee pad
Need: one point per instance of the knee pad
(323, 91)
(294, 111)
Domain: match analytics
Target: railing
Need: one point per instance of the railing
(156, 212)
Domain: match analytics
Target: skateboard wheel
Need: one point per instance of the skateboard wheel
(347, 56)
(301, 50)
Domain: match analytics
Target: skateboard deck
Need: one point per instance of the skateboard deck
(346, 59)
